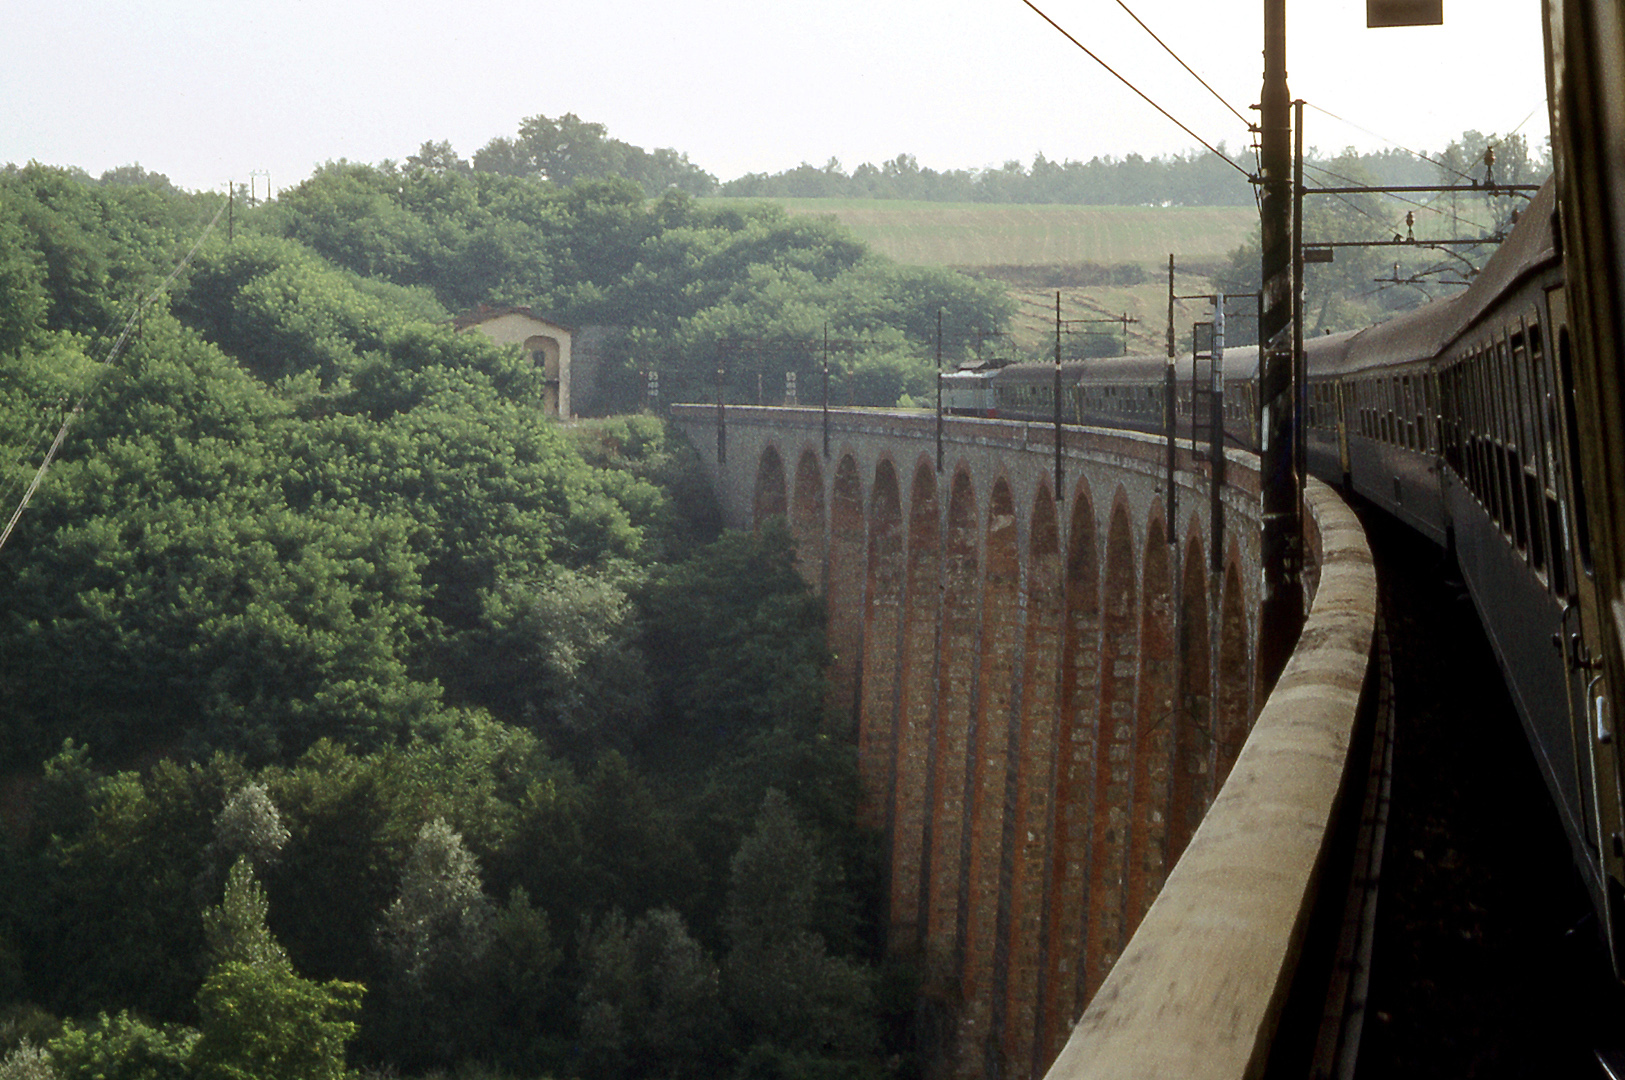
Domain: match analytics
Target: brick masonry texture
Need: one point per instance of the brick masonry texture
(1030, 684)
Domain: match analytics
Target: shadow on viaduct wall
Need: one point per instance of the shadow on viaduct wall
(1046, 693)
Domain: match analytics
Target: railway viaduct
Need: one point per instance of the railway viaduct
(1047, 685)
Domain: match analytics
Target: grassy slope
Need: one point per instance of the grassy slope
(1037, 250)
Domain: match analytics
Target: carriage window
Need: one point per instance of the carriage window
(1428, 420)
(1488, 468)
(1481, 437)
(1407, 413)
(1515, 444)
(1547, 433)
(1519, 372)
(1511, 465)
(1461, 427)
(1523, 376)
(1448, 420)
(1582, 512)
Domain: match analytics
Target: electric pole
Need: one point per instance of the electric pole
(1281, 617)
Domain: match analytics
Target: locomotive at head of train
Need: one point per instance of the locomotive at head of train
(1459, 419)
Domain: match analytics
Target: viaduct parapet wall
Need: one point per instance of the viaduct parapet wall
(1047, 689)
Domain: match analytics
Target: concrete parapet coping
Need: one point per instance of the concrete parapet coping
(1198, 992)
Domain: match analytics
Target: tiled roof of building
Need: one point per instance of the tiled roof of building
(485, 313)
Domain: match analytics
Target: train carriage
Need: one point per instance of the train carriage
(1458, 419)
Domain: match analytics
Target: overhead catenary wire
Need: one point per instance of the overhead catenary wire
(1355, 183)
(1258, 163)
(1428, 206)
(1181, 63)
(1143, 95)
(1416, 153)
(112, 355)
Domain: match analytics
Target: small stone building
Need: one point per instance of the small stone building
(545, 342)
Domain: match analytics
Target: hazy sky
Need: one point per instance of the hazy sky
(210, 91)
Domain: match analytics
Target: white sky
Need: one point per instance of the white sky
(210, 90)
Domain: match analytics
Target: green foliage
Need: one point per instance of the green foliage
(122, 1047)
(520, 1011)
(787, 991)
(259, 1020)
(569, 149)
(24, 1023)
(566, 660)
(440, 922)
(109, 901)
(280, 310)
(304, 559)
(678, 276)
(639, 855)
(180, 563)
(249, 827)
(340, 866)
(267, 1023)
(471, 239)
(665, 487)
(236, 930)
(23, 300)
(886, 379)
(1196, 178)
(737, 640)
(436, 936)
(27, 1062)
(87, 252)
(649, 998)
(385, 639)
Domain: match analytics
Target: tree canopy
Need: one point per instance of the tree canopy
(331, 664)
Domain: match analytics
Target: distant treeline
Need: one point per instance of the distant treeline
(569, 148)
(1197, 178)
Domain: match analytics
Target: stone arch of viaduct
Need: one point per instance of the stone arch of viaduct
(1046, 693)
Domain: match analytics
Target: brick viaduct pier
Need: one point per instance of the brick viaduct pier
(1048, 690)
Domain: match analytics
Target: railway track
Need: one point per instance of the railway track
(1482, 964)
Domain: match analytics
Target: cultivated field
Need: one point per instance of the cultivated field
(989, 235)
(1104, 260)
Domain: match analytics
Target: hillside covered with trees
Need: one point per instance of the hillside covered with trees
(354, 715)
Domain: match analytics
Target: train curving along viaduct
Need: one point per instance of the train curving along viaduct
(1047, 695)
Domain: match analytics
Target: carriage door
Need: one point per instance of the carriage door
(1342, 400)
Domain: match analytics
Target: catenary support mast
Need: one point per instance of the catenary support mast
(1282, 542)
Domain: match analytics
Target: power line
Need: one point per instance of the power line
(1355, 183)
(1223, 157)
(1257, 162)
(25, 448)
(1429, 205)
(1182, 64)
(112, 355)
(1350, 203)
(1391, 142)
